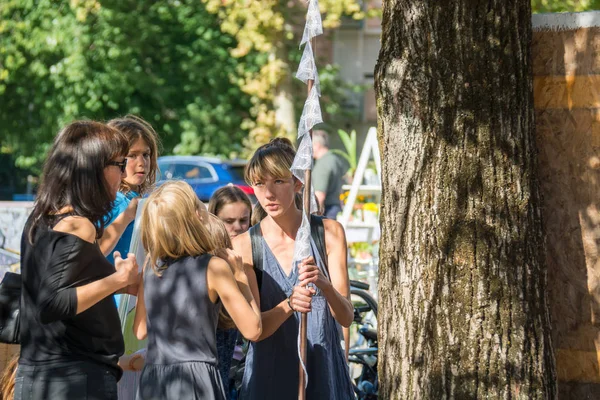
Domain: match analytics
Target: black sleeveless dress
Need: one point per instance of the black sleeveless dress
(181, 362)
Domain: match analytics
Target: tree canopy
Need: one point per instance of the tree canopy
(203, 73)
(166, 61)
(545, 6)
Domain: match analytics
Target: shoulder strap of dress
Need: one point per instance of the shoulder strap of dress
(317, 231)
(257, 254)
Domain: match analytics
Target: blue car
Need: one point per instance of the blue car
(204, 174)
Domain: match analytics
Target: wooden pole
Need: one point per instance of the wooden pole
(304, 316)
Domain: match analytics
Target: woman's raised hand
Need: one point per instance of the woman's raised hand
(308, 272)
(126, 268)
(301, 299)
(234, 260)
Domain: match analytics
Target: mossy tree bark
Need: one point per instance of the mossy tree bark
(463, 308)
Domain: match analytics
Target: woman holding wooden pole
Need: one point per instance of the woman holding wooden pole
(288, 289)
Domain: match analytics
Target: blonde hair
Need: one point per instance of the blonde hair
(218, 233)
(171, 227)
(7, 382)
(274, 158)
(136, 128)
(222, 241)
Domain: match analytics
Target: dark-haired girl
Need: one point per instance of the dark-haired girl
(233, 207)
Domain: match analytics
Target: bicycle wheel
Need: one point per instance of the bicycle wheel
(365, 316)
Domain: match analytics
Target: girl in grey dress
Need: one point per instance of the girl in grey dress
(182, 293)
(272, 363)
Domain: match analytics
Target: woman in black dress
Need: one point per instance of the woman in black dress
(70, 330)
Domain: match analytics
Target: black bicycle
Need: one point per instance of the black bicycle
(362, 358)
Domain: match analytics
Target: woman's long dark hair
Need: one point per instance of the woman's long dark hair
(73, 174)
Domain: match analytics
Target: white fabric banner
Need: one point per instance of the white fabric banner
(311, 115)
(314, 25)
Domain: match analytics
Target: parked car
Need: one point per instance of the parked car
(204, 174)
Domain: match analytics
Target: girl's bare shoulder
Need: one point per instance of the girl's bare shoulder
(78, 226)
(333, 228)
(243, 247)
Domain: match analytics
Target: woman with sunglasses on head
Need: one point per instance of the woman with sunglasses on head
(70, 330)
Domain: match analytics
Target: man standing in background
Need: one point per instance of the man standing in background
(327, 175)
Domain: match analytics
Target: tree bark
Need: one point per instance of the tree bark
(462, 285)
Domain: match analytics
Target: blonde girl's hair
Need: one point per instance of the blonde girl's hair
(171, 226)
(134, 128)
(218, 232)
(7, 381)
(228, 195)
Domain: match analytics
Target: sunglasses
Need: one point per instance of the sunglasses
(122, 165)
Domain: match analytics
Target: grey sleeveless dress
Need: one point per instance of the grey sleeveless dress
(181, 362)
(272, 364)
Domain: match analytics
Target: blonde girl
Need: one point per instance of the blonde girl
(183, 290)
(272, 362)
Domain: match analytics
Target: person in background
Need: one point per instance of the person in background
(71, 335)
(139, 179)
(327, 175)
(271, 371)
(182, 293)
(233, 207)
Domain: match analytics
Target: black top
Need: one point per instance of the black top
(51, 331)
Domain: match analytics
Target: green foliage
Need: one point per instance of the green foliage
(203, 72)
(275, 27)
(167, 61)
(349, 142)
(544, 6)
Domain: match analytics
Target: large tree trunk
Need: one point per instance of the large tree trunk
(463, 309)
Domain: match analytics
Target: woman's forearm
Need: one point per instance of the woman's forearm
(274, 318)
(340, 306)
(92, 293)
(243, 285)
